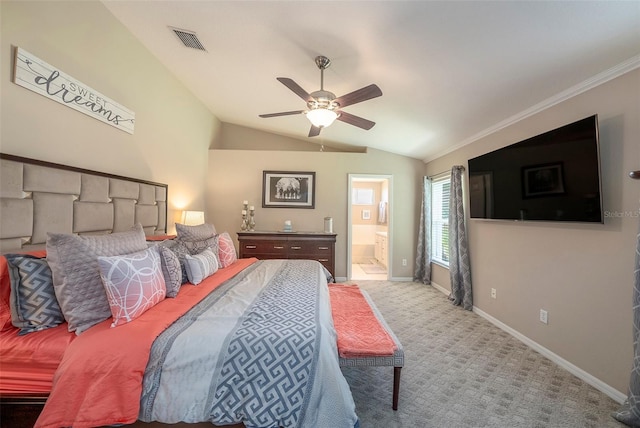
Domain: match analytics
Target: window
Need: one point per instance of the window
(362, 196)
(440, 219)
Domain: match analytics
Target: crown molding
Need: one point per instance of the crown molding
(597, 80)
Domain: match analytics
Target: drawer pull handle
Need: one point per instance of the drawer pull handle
(250, 247)
(323, 260)
(296, 248)
(323, 248)
(277, 248)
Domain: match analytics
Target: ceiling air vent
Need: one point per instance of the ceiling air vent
(188, 38)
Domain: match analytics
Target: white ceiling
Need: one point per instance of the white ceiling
(449, 71)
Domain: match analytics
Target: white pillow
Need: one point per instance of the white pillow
(201, 265)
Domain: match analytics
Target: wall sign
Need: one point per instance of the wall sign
(32, 73)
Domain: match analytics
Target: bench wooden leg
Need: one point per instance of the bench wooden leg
(396, 387)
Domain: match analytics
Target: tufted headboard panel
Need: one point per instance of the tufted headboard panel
(37, 197)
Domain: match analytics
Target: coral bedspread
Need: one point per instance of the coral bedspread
(110, 393)
(27, 363)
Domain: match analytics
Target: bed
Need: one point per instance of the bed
(247, 342)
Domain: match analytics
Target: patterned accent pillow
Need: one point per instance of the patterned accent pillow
(171, 270)
(226, 250)
(76, 277)
(33, 303)
(180, 250)
(196, 247)
(201, 266)
(133, 283)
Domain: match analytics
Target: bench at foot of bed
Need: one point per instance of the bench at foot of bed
(368, 357)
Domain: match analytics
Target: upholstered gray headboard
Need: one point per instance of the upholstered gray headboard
(37, 197)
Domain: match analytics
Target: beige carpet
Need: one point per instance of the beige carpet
(461, 371)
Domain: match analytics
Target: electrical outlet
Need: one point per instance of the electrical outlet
(493, 293)
(404, 262)
(544, 316)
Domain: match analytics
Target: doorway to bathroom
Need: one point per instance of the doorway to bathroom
(369, 234)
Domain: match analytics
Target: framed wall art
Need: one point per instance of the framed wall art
(288, 189)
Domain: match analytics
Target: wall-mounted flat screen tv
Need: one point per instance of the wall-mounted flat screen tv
(553, 176)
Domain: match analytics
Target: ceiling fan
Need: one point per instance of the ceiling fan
(323, 107)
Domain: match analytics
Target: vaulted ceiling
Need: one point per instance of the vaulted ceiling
(449, 72)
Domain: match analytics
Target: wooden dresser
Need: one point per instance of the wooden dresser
(318, 246)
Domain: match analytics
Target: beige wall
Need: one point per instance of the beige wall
(236, 175)
(173, 130)
(237, 137)
(582, 274)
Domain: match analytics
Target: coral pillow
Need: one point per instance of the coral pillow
(134, 284)
(226, 250)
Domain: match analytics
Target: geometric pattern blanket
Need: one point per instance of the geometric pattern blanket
(259, 350)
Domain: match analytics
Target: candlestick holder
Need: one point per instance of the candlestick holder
(252, 221)
(245, 222)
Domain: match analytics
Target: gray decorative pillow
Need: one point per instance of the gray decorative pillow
(195, 233)
(74, 263)
(198, 238)
(33, 303)
(201, 266)
(171, 270)
(180, 250)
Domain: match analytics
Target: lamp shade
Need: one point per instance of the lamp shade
(192, 218)
(321, 117)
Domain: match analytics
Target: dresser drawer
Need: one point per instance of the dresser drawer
(309, 248)
(258, 247)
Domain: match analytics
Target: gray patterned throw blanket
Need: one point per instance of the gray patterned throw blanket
(260, 349)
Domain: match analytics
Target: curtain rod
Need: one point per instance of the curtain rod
(438, 174)
(445, 172)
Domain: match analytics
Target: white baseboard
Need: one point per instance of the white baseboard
(340, 278)
(440, 288)
(401, 279)
(576, 371)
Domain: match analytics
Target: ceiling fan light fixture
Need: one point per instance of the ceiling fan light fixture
(321, 117)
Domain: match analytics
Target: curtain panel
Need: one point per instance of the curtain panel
(423, 259)
(629, 412)
(459, 265)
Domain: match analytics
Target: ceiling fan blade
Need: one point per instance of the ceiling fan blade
(284, 113)
(362, 94)
(295, 88)
(314, 131)
(354, 120)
